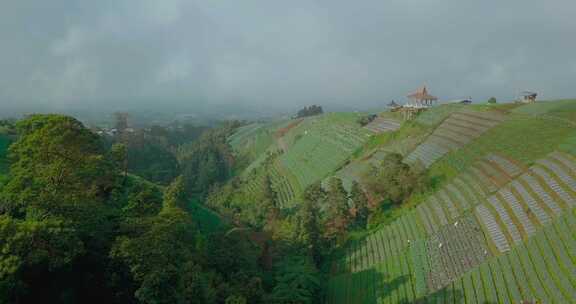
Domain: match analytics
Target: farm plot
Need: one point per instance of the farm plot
(380, 124)
(320, 150)
(286, 190)
(530, 201)
(542, 268)
(521, 138)
(455, 131)
(382, 244)
(442, 208)
(464, 192)
(539, 269)
(453, 250)
(242, 133)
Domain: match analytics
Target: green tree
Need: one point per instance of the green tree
(309, 230)
(394, 180)
(297, 281)
(338, 209)
(268, 205)
(360, 202)
(175, 194)
(492, 100)
(39, 245)
(160, 258)
(58, 167)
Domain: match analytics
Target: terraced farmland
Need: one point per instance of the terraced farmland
(455, 131)
(516, 211)
(322, 147)
(444, 207)
(381, 124)
(254, 139)
(542, 268)
(313, 148)
(520, 137)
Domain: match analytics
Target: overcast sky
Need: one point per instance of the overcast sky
(282, 53)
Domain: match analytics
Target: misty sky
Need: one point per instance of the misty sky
(281, 53)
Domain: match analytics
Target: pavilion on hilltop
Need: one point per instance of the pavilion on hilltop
(417, 102)
(421, 99)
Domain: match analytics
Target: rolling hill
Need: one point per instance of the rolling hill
(494, 231)
(498, 227)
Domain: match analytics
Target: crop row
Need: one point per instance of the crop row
(380, 124)
(383, 244)
(444, 207)
(453, 250)
(516, 211)
(456, 131)
(541, 269)
(320, 151)
(242, 133)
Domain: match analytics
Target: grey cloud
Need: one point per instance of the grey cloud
(281, 53)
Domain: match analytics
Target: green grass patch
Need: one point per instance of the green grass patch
(521, 137)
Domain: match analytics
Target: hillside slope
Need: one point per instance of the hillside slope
(493, 230)
(296, 153)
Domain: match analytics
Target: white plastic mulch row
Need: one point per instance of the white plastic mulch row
(509, 167)
(560, 172)
(535, 208)
(553, 185)
(518, 210)
(505, 217)
(542, 194)
(493, 228)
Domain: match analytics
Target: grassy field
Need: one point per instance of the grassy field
(521, 137)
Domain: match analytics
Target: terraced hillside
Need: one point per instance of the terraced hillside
(455, 132)
(381, 124)
(308, 150)
(499, 229)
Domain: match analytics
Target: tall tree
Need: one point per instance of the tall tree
(309, 223)
(360, 203)
(59, 168)
(394, 180)
(159, 254)
(338, 209)
(297, 281)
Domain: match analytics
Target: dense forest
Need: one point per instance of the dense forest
(75, 228)
(123, 219)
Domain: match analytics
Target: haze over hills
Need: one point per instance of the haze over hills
(287, 152)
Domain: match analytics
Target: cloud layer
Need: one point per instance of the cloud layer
(281, 53)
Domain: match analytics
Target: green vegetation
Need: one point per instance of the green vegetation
(297, 211)
(75, 228)
(520, 137)
(207, 220)
(4, 143)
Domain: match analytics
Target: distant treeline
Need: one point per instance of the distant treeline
(309, 111)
